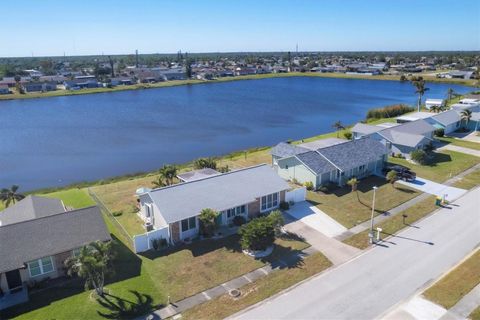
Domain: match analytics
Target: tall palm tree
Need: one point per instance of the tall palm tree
(338, 126)
(419, 84)
(93, 263)
(9, 196)
(435, 109)
(450, 94)
(466, 115)
(168, 173)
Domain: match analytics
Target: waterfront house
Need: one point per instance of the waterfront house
(429, 103)
(449, 120)
(248, 192)
(37, 235)
(81, 83)
(329, 161)
(4, 89)
(40, 86)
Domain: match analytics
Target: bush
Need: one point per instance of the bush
(309, 185)
(389, 111)
(205, 163)
(117, 213)
(239, 220)
(439, 132)
(419, 156)
(259, 233)
(284, 205)
(348, 135)
(159, 243)
(399, 155)
(324, 189)
(208, 224)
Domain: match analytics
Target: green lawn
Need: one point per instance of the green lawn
(470, 181)
(444, 165)
(475, 315)
(75, 198)
(343, 205)
(460, 143)
(457, 283)
(395, 223)
(223, 306)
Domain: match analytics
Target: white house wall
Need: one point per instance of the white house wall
(292, 168)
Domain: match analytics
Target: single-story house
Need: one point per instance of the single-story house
(400, 139)
(197, 174)
(37, 235)
(409, 117)
(448, 120)
(246, 192)
(80, 83)
(125, 81)
(335, 163)
(4, 89)
(40, 86)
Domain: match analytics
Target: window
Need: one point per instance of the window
(188, 224)
(270, 201)
(40, 266)
(235, 211)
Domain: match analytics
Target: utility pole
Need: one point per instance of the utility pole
(371, 235)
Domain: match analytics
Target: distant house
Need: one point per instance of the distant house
(40, 86)
(448, 120)
(173, 74)
(329, 161)
(81, 83)
(4, 89)
(121, 81)
(456, 74)
(248, 192)
(429, 103)
(37, 235)
(11, 82)
(399, 139)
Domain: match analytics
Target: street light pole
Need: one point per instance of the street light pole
(371, 235)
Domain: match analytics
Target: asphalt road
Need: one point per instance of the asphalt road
(369, 285)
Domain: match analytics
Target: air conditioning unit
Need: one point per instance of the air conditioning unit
(148, 224)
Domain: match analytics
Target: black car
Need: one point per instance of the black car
(403, 173)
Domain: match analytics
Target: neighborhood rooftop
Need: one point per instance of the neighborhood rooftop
(32, 207)
(49, 235)
(197, 174)
(219, 192)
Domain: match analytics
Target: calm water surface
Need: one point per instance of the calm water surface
(56, 141)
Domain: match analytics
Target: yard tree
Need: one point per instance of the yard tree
(205, 163)
(93, 263)
(338, 126)
(208, 224)
(277, 220)
(466, 115)
(9, 196)
(168, 174)
(392, 177)
(419, 156)
(258, 234)
(353, 182)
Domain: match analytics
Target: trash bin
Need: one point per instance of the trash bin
(438, 201)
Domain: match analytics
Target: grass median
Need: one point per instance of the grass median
(395, 223)
(469, 181)
(457, 283)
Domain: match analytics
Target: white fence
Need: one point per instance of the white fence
(143, 242)
(296, 195)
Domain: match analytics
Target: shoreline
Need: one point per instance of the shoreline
(175, 83)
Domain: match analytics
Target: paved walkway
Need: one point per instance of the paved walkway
(204, 296)
(465, 306)
(316, 219)
(336, 251)
(452, 147)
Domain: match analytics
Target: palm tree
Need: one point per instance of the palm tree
(93, 263)
(168, 174)
(435, 109)
(466, 115)
(158, 182)
(392, 176)
(450, 94)
(353, 182)
(338, 126)
(419, 84)
(9, 196)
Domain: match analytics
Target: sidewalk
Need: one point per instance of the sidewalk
(204, 296)
(465, 306)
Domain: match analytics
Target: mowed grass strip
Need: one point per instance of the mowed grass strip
(443, 166)
(261, 289)
(469, 181)
(352, 208)
(395, 223)
(457, 283)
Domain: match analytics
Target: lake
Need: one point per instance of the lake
(57, 141)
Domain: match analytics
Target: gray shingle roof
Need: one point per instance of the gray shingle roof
(316, 162)
(33, 239)
(448, 117)
(402, 138)
(31, 207)
(219, 192)
(354, 153)
(284, 150)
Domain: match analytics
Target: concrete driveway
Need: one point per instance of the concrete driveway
(469, 151)
(316, 219)
(434, 188)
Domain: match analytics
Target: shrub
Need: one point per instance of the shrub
(439, 132)
(392, 176)
(205, 163)
(389, 111)
(159, 243)
(117, 213)
(399, 155)
(419, 156)
(353, 182)
(348, 135)
(259, 233)
(309, 185)
(324, 189)
(239, 220)
(403, 78)
(224, 169)
(208, 224)
(284, 205)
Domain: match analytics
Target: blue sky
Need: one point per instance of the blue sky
(51, 27)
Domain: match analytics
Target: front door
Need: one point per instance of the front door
(14, 280)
